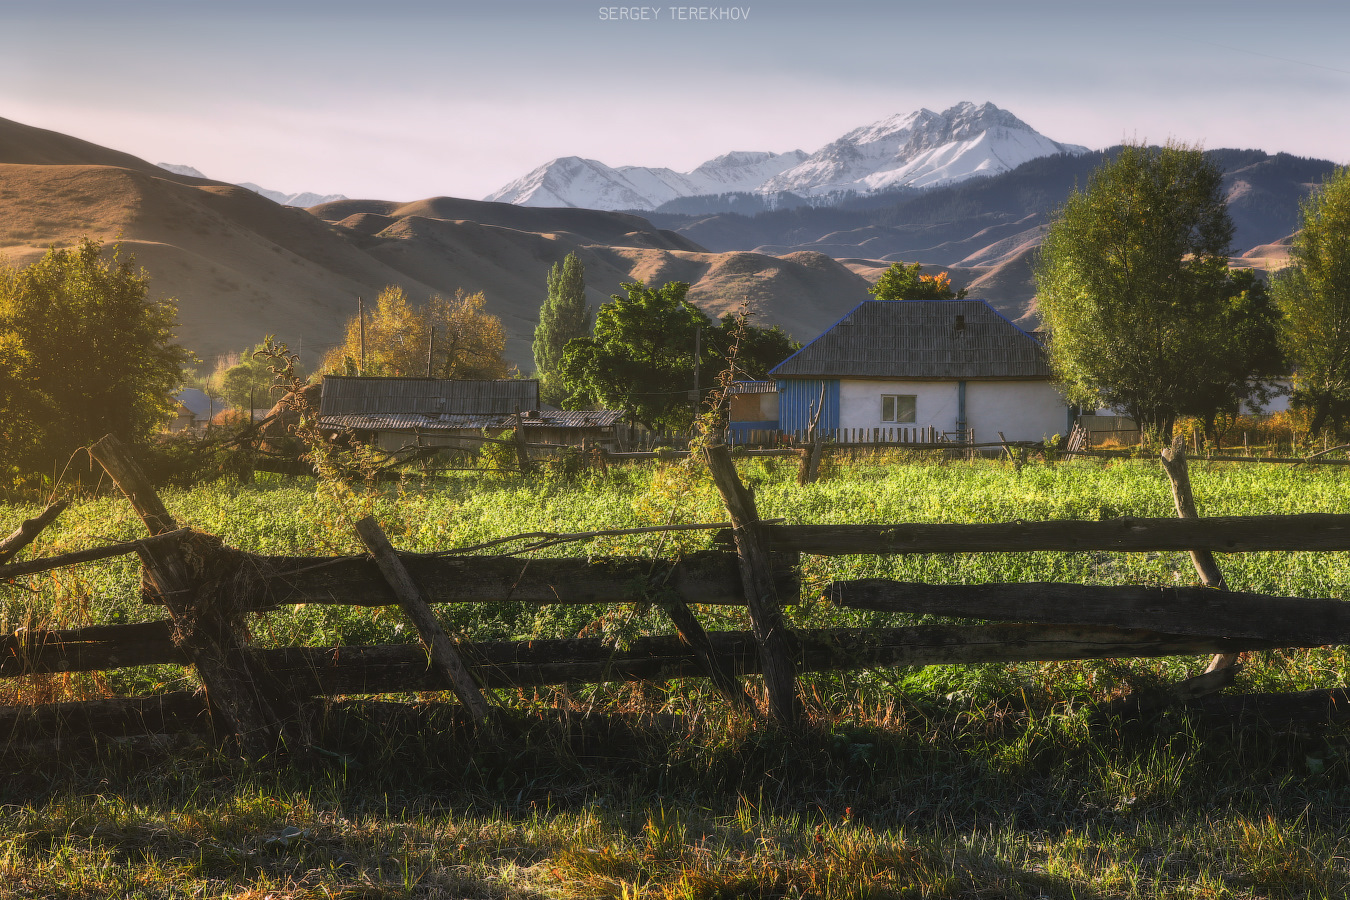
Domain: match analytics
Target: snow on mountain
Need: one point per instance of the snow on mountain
(920, 149)
(304, 199)
(176, 169)
(588, 183)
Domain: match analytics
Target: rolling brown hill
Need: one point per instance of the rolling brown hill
(242, 266)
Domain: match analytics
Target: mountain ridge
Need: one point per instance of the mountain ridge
(917, 150)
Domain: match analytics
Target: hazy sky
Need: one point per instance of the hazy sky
(403, 100)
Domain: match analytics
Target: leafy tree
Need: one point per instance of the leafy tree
(902, 282)
(1133, 284)
(1314, 297)
(468, 342)
(243, 379)
(564, 316)
(1244, 355)
(641, 358)
(85, 353)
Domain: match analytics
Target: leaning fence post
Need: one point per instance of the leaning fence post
(696, 639)
(30, 529)
(434, 638)
(766, 618)
(212, 641)
(1174, 464)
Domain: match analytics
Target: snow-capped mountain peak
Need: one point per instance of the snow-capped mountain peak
(304, 198)
(918, 149)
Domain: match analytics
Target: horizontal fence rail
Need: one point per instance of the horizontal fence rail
(388, 668)
(265, 696)
(1220, 534)
(709, 577)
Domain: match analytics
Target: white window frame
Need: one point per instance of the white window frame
(896, 408)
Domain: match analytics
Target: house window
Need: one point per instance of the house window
(897, 408)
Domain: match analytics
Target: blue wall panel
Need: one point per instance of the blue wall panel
(797, 397)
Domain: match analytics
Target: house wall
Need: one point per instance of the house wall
(1022, 410)
(754, 408)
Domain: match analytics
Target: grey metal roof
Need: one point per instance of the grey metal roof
(345, 395)
(568, 418)
(753, 387)
(937, 339)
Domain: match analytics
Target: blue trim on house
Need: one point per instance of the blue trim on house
(797, 398)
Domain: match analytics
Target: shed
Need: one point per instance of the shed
(429, 412)
(954, 366)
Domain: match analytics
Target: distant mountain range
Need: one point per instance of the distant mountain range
(304, 199)
(923, 149)
(243, 266)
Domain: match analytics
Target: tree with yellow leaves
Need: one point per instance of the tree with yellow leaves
(465, 341)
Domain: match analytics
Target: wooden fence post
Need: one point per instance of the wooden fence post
(414, 606)
(766, 618)
(810, 464)
(211, 640)
(30, 529)
(696, 639)
(522, 452)
(1174, 464)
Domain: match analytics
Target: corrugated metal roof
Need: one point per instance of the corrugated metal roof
(753, 387)
(596, 418)
(920, 339)
(345, 395)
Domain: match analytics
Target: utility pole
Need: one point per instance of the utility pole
(361, 314)
(431, 345)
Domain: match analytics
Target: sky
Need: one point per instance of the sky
(404, 100)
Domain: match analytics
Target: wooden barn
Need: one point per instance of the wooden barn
(954, 366)
(399, 412)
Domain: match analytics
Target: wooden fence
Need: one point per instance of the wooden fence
(265, 697)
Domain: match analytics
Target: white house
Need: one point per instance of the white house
(957, 367)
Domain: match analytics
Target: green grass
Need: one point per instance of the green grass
(985, 781)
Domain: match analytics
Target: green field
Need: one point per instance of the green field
(983, 781)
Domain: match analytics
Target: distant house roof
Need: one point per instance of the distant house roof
(753, 387)
(438, 404)
(930, 339)
(198, 403)
(345, 395)
(595, 418)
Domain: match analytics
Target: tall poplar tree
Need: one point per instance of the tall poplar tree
(1314, 297)
(563, 316)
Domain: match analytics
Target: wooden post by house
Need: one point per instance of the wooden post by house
(438, 644)
(1174, 464)
(522, 451)
(203, 629)
(766, 617)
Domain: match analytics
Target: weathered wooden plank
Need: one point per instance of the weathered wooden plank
(93, 554)
(399, 667)
(1221, 534)
(720, 670)
(438, 644)
(174, 712)
(710, 577)
(90, 649)
(204, 629)
(1290, 621)
(766, 616)
(29, 529)
(1174, 464)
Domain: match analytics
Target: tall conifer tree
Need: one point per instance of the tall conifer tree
(564, 316)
